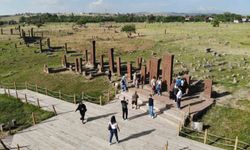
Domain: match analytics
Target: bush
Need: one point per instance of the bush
(216, 23)
(129, 28)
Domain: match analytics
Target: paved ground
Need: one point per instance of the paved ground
(66, 131)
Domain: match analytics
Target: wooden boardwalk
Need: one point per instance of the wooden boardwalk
(65, 131)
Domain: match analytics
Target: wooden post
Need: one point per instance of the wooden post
(189, 110)
(236, 143)
(60, 94)
(26, 85)
(9, 92)
(46, 91)
(18, 147)
(36, 88)
(82, 95)
(15, 85)
(38, 102)
(33, 119)
(205, 137)
(74, 98)
(54, 109)
(101, 100)
(166, 146)
(4, 146)
(26, 100)
(16, 94)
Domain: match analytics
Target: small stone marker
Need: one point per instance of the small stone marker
(129, 71)
(118, 66)
(208, 88)
(101, 62)
(92, 53)
(111, 60)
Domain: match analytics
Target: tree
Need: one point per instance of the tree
(216, 23)
(129, 29)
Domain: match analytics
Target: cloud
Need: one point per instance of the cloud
(96, 3)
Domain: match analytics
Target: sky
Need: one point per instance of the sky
(8, 7)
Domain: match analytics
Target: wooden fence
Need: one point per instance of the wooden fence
(215, 140)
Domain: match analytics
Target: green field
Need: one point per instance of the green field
(187, 41)
(12, 108)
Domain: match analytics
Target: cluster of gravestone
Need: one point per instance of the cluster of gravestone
(154, 68)
(8, 126)
(28, 37)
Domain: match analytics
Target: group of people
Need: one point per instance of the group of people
(180, 88)
(156, 86)
(113, 125)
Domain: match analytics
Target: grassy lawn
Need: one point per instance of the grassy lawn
(226, 123)
(12, 108)
(187, 41)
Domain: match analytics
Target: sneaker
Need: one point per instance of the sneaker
(152, 117)
(118, 142)
(110, 143)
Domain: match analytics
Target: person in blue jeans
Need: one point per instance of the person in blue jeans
(113, 127)
(151, 106)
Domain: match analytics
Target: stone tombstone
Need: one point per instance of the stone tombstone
(66, 48)
(48, 42)
(111, 60)
(208, 88)
(92, 53)
(19, 28)
(46, 69)
(167, 69)
(118, 66)
(11, 31)
(188, 78)
(80, 65)
(41, 45)
(32, 32)
(101, 61)
(64, 61)
(154, 68)
(139, 62)
(143, 74)
(129, 71)
(86, 56)
(148, 66)
(76, 65)
(23, 34)
(100, 68)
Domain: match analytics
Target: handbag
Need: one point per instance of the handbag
(109, 127)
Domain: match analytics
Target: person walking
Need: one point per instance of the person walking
(124, 109)
(153, 84)
(134, 100)
(158, 86)
(124, 84)
(82, 109)
(178, 98)
(113, 128)
(151, 106)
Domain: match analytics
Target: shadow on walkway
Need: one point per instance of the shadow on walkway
(137, 116)
(98, 117)
(137, 135)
